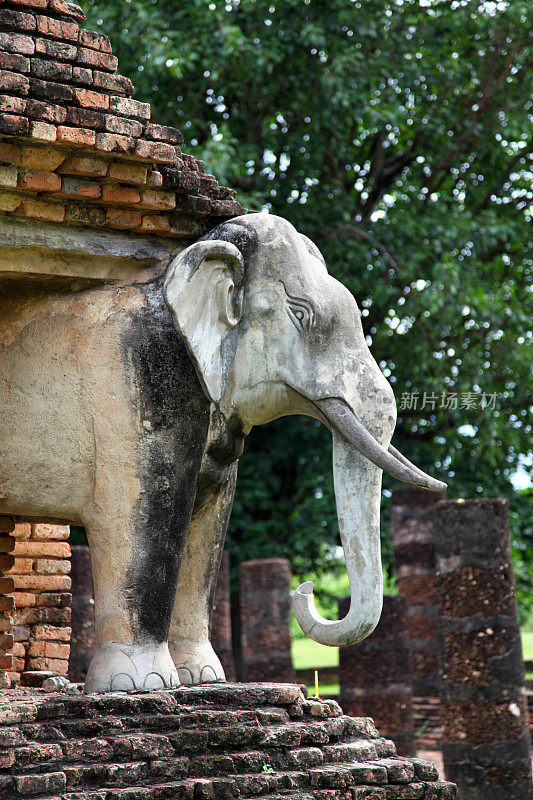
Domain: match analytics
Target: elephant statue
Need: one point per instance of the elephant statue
(124, 409)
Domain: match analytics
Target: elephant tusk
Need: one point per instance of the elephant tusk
(343, 419)
(404, 460)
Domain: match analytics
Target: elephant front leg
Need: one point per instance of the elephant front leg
(189, 644)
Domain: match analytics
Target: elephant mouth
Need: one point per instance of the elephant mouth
(340, 417)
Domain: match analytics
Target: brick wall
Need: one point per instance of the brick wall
(35, 601)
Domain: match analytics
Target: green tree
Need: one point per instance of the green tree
(397, 135)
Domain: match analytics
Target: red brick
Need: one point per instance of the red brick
(18, 20)
(82, 75)
(12, 105)
(24, 599)
(89, 190)
(14, 82)
(86, 118)
(80, 137)
(85, 215)
(8, 176)
(52, 566)
(68, 9)
(89, 99)
(14, 62)
(9, 202)
(155, 151)
(51, 633)
(113, 83)
(49, 90)
(43, 131)
(128, 173)
(124, 126)
(120, 195)
(114, 143)
(6, 621)
(51, 212)
(54, 549)
(6, 585)
(39, 181)
(7, 604)
(6, 641)
(46, 531)
(41, 158)
(122, 218)
(86, 167)
(56, 665)
(17, 43)
(163, 133)
(19, 664)
(94, 58)
(6, 662)
(30, 3)
(154, 178)
(49, 649)
(155, 222)
(7, 544)
(163, 201)
(37, 109)
(51, 70)
(57, 29)
(60, 50)
(22, 530)
(95, 41)
(128, 107)
(19, 650)
(22, 566)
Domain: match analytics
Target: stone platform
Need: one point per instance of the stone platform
(215, 742)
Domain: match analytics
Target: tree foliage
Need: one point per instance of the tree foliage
(397, 135)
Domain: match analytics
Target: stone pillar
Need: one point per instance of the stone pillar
(374, 676)
(486, 744)
(221, 622)
(82, 639)
(414, 554)
(265, 614)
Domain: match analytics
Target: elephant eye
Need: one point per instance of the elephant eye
(300, 311)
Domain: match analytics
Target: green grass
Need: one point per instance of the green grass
(307, 654)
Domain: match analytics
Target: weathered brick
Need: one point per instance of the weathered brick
(43, 131)
(52, 566)
(53, 212)
(8, 176)
(39, 182)
(90, 168)
(40, 784)
(14, 82)
(10, 154)
(59, 666)
(112, 83)
(155, 151)
(54, 549)
(127, 173)
(6, 622)
(30, 3)
(68, 9)
(14, 62)
(156, 223)
(42, 158)
(82, 75)
(59, 50)
(73, 187)
(22, 566)
(89, 99)
(50, 90)
(128, 107)
(19, 649)
(43, 615)
(13, 125)
(122, 125)
(43, 530)
(7, 604)
(6, 661)
(9, 202)
(122, 218)
(86, 118)
(80, 137)
(49, 649)
(163, 133)
(57, 29)
(62, 600)
(154, 178)
(37, 109)
(7, 544)
(24, 599)
(6, 584)
(21, 633)
(51, 70)
(85, 215)
(22, 530)
(120, 195)
(153, 199)
(6, 641)
(94, 58)
(52, 633)
(114, 143)
(17, 43)
(37, 754)
(17, 20)
(95, 41)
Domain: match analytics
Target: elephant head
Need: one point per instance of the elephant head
(271, 333)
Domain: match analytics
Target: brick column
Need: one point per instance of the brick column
(486, 745)
(221, 622)
(414, 554)
(82, 639)
(35, 562)
(265, 615)
(374, 676)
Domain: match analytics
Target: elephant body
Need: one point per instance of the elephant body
(124, 408)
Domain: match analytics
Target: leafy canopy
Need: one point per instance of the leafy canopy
(397, 135)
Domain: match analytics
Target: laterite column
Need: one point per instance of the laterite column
(375, 677)
(221, 622)
(414, 554)
(82, 638)
(486, 745)
(265, 615)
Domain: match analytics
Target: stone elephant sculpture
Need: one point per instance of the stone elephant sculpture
(124, 409)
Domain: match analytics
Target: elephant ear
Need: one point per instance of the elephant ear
(203, 290)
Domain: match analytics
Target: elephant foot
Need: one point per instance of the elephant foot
(131, 667)
(196, 662)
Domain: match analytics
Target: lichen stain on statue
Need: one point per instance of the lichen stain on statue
(124, 409)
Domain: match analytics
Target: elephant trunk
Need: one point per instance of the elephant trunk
(357, 484)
